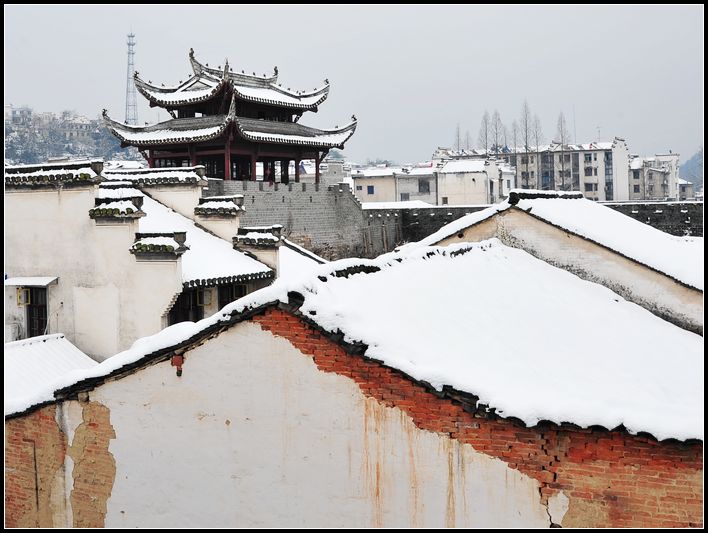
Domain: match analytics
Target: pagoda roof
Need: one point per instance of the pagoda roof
(198, 129)
(257, 130)
(208, 82)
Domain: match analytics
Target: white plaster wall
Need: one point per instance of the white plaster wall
(49, 233)
(224, 227)
(384, 189)
(180, 198)
(620, 165)
(254, 435)
(464, 187)
(409, 184)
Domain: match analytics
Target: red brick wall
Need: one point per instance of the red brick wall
(610, 477)
(34, 453)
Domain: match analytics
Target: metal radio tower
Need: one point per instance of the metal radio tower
(131, 98)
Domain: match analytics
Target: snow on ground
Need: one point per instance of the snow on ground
(576, 352)
(33, 364)
(208, 256)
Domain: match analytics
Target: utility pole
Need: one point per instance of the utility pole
(131, 98)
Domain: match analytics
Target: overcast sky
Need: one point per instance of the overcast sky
(410, 74)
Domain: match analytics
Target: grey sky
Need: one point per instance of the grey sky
(410, 74)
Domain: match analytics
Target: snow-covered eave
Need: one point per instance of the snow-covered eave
(266, 273)
(311, 106)
(303, 251)
(606, 247)
(280, 138)
(291, 303)
(123, 131)
(154, 94)
(200, 69)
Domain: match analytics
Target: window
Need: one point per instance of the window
(508, 184)
(588, 171)
(229, 293)
(423, 185)
(186, 308)
(594, 172)
(531, 159)
(635, 174)
(590, 187)
(636, 188)
(444, 200)
(532, 174)
(37, 312)
(491, 187)
(405, 196)
(369, 189)
(594, 156)
(524, 160)
(588, 158)
(359, 187)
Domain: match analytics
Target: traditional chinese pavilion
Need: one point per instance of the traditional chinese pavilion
(229, 122)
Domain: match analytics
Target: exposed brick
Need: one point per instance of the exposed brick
(612, 478)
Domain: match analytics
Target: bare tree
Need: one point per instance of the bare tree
(467, 139)
(563, 137)
(484, 131)
(526, 125)
(457, 135)
(515, 144)
(537, 134)
(497, 130)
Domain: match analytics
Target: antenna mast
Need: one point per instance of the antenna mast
(131, 98)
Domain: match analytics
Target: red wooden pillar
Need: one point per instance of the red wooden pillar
(317, 167)
(151, 159)
(284, 170)
(227, 160)
(253, 167)
(192, 155)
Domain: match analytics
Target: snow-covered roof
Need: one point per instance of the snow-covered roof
(418, 171)
(269, 131)
(199, 129)
(682, 181)
(377, 172)
(294, 261)
(33, 364)
(636, 163)
(153, 176)
(67, 173)
(677, 257)
(453, 331)
(30, 281)
(462, 165)
(208, 83)
(680, 258)
(208, 257)
(408, 204)
(177, 130)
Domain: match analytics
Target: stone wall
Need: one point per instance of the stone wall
(676, 218)
(330, 220)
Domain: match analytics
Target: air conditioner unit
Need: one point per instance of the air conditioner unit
(23, 296)
(12, 332)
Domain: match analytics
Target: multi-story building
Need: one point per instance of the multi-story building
(654, 178)
(598, 169)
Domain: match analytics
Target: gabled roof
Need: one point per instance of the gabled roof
(32, 365)
(680, 258)
(452, 333)
(209, 82)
